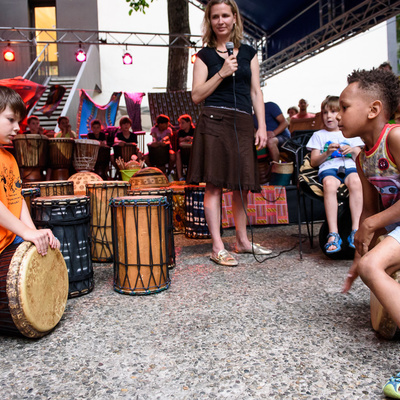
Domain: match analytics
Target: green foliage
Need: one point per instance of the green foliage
(138, 5)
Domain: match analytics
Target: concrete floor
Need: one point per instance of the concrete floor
(280, 329)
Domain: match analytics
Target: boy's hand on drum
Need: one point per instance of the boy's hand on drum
(41, 238)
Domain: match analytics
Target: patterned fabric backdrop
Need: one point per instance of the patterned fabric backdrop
(173, 104)
(89, 110)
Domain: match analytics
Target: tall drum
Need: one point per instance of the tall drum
(100, 194)
(85, 154)
(168, 193)
(140, 242)
(33, 290)
(61, 151)
(68, 218)
(31, 155)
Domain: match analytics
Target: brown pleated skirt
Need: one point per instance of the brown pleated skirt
(217, 157)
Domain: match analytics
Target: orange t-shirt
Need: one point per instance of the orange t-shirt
(10, 193)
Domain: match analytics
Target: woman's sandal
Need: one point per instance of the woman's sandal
(336, 242)
(350, 239)
(224, 258)
(256, 249)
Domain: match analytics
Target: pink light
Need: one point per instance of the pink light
(80, 55)
(127, 59)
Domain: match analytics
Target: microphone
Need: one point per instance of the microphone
(229, 48)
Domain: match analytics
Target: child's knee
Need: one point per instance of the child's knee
(330, 184)
(367, 266)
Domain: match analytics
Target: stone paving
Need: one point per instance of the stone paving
(279, 329)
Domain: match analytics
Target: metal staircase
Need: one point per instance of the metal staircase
(51, 123)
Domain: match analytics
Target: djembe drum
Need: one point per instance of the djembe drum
(85, 154)
(140, 242)
(102, 165)
(28, 194)
(52, 188)
(381, 321)
(125, 150)
(61, 151)
(33, 290)
(81, 179)
(31, 155)
(68, 218)
(196, 226)
(150, 177)
(168, 193)
(100, 194)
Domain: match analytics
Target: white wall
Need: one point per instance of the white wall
(326, 73)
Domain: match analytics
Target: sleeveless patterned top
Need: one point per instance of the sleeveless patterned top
(381, 170)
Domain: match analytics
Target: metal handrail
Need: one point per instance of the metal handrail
(37, 64)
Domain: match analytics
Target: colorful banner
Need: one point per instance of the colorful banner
(266, 208)
(133, 102)
(54, 98)
(28, 90)
(89, 110)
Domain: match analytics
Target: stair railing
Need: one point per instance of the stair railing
(39, 70)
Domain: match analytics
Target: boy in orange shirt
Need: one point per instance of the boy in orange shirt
(16, 224)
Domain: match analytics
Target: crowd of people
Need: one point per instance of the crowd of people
(357, 146)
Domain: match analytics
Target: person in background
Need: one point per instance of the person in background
(291, 111)
(162, 133)
(33, 125)
(65, 128)
(386, 66)
(276, 129)
(97, 133)
(16, 224)
(224, 145)
(185, 138)
(330, 151)
(303, 113)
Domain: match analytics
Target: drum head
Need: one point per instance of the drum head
(37, 288)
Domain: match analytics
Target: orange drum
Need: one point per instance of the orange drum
(30, 193)
(125, 150)
(61, 151)
(140, 242)
(100, 194)
(150, 176)
(85, 154)
(33, 290)
(31, 155)
(168, 193)
(103, 162)
(81, 179)
(52, 188)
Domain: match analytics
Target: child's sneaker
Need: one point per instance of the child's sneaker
(391, 388)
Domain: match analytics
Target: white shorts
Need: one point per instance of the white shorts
(394, 231)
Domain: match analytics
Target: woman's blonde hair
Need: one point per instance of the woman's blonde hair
(209, 37)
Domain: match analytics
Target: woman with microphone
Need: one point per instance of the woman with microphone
(226, 77)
